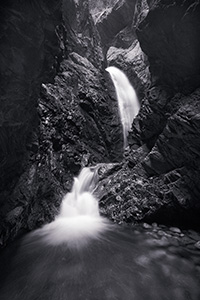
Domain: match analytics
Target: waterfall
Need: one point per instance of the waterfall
(79, 218)
(127, 100)
(82, 256)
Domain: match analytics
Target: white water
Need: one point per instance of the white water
(79, 218)
(127, 100)
(119, 263)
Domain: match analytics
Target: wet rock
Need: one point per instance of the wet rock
(160, 182)
(59, 111)
(98, 7)
(167, 123)
(133, 62)
(29, 55)
(175, 229)
(28, 48)
(120, 45)
(108, 22)
(197, 245)
(173, 47)
(64, 117)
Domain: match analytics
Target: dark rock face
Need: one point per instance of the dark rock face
(108, 23)
(28, 47)
(173, 47)
(98, 7)
(160, 184)
(119, 41)
(81, 34)
(158, 180)
(76, 121)
(59, 111)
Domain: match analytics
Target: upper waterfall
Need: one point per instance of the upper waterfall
(127, 99)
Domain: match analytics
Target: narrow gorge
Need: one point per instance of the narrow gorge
(60, 114)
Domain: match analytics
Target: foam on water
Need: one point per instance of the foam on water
(79, 218)
(127, 99)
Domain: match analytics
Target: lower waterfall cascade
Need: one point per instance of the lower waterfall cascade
(80, 255)
(79, 217)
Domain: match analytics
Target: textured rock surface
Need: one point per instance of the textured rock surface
(134, 63)
(162, 183)
(28, 48)
(59, 111)
(159, 177)
(120, 44)
(173, 47)
(29, 55)
(108, 22)
(98, 7)
(76, 122)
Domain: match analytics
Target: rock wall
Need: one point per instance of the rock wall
(29, 55)
(28, 48)
(159, 177)
(62, 115)
(108, 23)
(119, 41)
(173, 47)
(59, 110)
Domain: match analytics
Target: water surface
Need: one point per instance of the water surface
(144, 262)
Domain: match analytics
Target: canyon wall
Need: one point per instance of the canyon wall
(57, 113)
(159, 177)
(59, 110)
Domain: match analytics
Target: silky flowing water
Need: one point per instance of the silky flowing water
(127, 100)
(83, 256)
